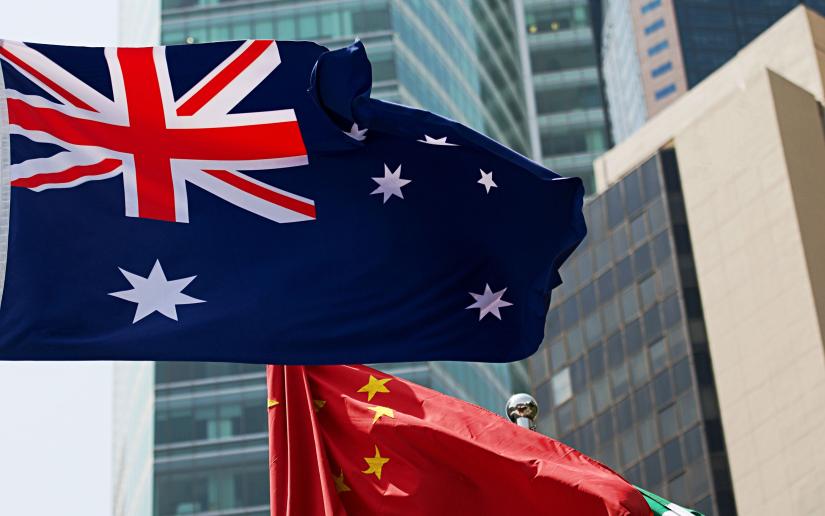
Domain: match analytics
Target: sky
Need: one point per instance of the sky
(56, 417)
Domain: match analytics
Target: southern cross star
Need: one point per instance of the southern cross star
(156, 293)
(487, 180)
(390, 184)
(489, 302)
(437, 141)
(356, 133)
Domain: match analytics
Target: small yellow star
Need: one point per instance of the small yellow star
(319, 404)
(381, 411)
(271, 403)
(340, 486)
(375, 386)
(375, 464)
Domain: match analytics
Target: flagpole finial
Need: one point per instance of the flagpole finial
(523, 410)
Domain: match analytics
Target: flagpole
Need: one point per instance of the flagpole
(522, 410)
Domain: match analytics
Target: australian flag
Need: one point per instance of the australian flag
(249, 202)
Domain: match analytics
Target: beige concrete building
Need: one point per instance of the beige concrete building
(750, 147)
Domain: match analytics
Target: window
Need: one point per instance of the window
(673, 457)
(595, 360)
(648, 290)
(557, 354)
(668, 423)
(658, 355)
(661, 69)
(638, 369)
(657, 48)
(630, 304)
(662, 388)
(653, 4)
(601, 394)
(664, 92)
(630, 450)
(653, 470)
(562, 387)
(551, 60)
(647, 435)
(557, 100)
(653, 27)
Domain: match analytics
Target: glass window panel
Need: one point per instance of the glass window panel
(604, 425)
(647, 436)
(668, 422)
(653, 470)
(584, 409)
(558, 355)
(544, 395)
(698, 484)
(641, 260)
(588, 298)
(578, 375)
(264, 29)
(595, 361)
(638, 230)
(673, 457)
(562, 387)
(638, 369)
(242, 30)
(603, 255)
(670, 311)
(619, 380)
(615, 354)
(593, 328)
(601, 394)
(687, 409)
(606, 286)
(661, 247)
(693, 444)
(565, 418)
(615, 210)
(624, 273)
(658, 355)
(666, 272)
(634, 474)
(286, 28)
(331, 24)
(219, 33)
(662, 389)
(681, 376)
(633, 337)
(630, 304)
(678, 490)
(538, 365)
(644, 402)
(588, 438)
(611, 316)
(308, 26)
(624, 415)
(647, 288)
(653, 323)
(575, 342)
(629, 447)
(620, 241)
(677, 342)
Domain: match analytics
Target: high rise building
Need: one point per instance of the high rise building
(686, 348)
(655, 50)
(460, 59)
(571, 119)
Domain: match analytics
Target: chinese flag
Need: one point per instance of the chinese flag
(353, 440)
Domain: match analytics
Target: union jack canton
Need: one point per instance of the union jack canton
(144, 196)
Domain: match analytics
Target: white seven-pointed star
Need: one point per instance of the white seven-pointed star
(487, 180)
(390, 184)
(156, 293)
(437, 141)
(489, 302)
(356, 134)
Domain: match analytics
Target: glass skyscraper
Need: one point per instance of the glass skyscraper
(571, 121)
(625, 374)
(459, 59)
(655, 50)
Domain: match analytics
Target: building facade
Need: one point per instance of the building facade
(727, 265)
(571, 119)
(459, 59)
(625, 371)
(653, 51)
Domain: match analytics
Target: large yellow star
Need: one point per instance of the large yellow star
(271, 403)
(376, 464)
(381, 411)
(373, 386)
(340, 486)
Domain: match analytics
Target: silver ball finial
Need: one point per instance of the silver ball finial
(523, 410)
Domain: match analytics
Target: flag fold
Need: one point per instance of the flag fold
(352, 440)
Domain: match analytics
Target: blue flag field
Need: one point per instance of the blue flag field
(249, 202)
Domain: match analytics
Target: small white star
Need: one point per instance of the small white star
(437, 141)
(489, 302)
(156, 293)
(390, 184)
(357, 134)
(487, 180)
